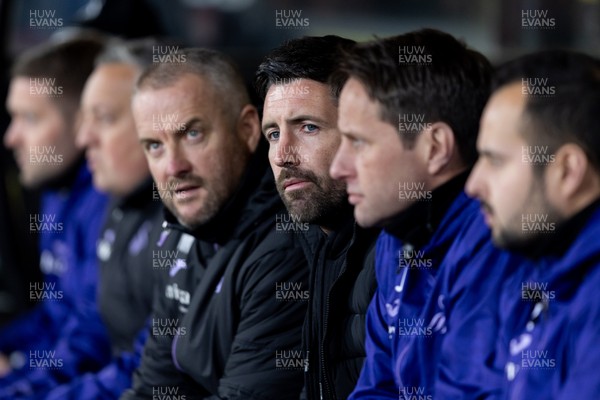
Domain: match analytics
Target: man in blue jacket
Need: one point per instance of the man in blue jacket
(128, 249)
(43, 101)
(538, 180)
(409, 113)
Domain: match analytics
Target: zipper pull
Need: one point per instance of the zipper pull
(306, 361)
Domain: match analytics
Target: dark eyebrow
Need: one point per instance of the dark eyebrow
(295, 121)
(352, 134)
(489, 154)
(143, 140)
(268, 126)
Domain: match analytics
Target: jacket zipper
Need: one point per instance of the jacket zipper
(323, 371)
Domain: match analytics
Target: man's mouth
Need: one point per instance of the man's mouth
(185, 190)
(294, 184)
(354, 198)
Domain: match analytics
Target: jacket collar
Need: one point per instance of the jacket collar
(74, 174)
(418, 223)
(140, 196)
(572, 253)
(555, 245)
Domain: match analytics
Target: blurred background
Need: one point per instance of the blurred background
(247, 30)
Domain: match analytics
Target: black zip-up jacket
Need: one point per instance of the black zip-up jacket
(231, 331)
(342, 283)
(124, 250)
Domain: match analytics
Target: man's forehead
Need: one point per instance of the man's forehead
(187, 85)
(299, 89)
(501, 121)
(168, 100)
(356, 105)
(27, 95)
(510, 97)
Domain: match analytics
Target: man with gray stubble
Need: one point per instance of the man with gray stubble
(202, 140)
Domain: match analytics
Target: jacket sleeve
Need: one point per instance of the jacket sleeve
(582, 380)
(268, 336)
(109, 383)
(473, 323)
(21, 333)
(82, 343)
(376, 379)
(75, 353)
(156, 368)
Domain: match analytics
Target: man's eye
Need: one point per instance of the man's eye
(273, 135)
(495, 162)
(310, 128)
(357, 143)
(194, 133)
(30, 117)
(152, 147)
(106, 118)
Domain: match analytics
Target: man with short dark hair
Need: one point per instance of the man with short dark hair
(43, 101)
(300, 124)
(538, 181)
(222, 325)
(409, 112)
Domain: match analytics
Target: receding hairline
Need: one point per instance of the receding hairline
(223, 106)
(153, 83)
(204, 81)
(527, 124)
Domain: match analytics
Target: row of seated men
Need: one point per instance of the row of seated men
(397, 219)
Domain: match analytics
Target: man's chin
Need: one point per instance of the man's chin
(33, 182)
(188, 222)
(312, 213)
(298, 213)
(297, 201)
(505, 240)
(514, 242)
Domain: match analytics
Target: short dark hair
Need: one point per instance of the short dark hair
(309, 57)
(447, 82)
(566, 106)
(215, 67)
(70, 62)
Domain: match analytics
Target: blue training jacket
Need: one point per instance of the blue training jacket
(552, 325)
(63, 335)
(406, 278)
(458, 359)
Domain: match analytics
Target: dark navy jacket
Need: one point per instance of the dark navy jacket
(66, 323)
(342, 283)
(552, 323)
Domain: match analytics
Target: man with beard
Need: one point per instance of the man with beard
(409, 126)
(43, 102)
(538, 180)
(221, 325)
(300, 124)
